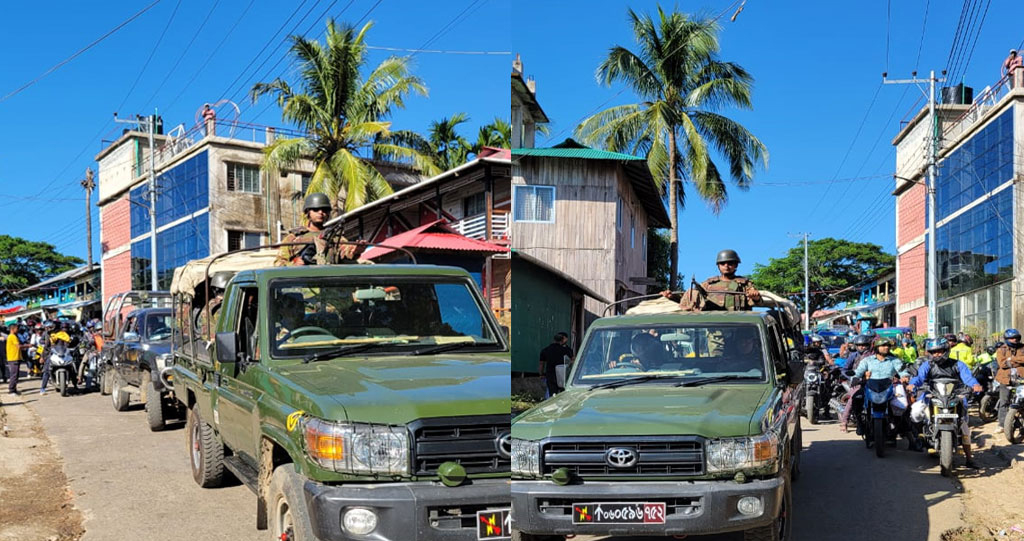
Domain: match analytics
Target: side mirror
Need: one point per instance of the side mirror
(560, 375)
(130, 337)
(795, 374)
(227, 347)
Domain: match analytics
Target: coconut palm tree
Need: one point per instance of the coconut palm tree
(344, 115)
(449, 148)
(678, 74)
(497, 134)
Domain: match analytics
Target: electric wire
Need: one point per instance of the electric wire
(145, 65)
(184, 52)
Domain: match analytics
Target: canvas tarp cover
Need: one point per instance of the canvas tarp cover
(193, 273)
(662, 305)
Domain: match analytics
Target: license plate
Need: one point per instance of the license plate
(493, 524)
(946, 416)
(618, 513)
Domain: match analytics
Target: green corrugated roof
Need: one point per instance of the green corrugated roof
(571, 149)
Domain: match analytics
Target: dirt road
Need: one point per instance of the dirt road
(843, 483)
(130, 483)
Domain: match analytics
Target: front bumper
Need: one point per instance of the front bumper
(415, 511)
(692, 507)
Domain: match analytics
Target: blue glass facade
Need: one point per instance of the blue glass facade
(977, 167)
(975, 249)
(181, 191)
(174, 247)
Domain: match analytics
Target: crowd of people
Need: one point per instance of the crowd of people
(31, 341)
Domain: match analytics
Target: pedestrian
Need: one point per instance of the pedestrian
(727, 291)
(556, 353)
(13, 347)
(3, 355)
(1012, 62)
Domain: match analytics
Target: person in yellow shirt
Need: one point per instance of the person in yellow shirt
(963, 351)
(13, 359)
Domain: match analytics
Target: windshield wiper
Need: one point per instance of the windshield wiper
(443, 347)
(714, 379)
(631, 381)
(345, 350)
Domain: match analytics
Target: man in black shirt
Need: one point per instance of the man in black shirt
(550, 357)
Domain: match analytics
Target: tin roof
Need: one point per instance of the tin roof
(433, 236)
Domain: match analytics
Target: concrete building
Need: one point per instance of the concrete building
(526, 111)
(978, 216)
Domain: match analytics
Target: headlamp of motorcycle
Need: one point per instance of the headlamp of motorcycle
(163, 361)
(1020, 390)
(357, 448)
(811, 377)
(525, 458)
(727, 455)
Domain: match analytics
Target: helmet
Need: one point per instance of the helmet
(907, 342)
(728, 256)
(881, 341)
(991, 350)
(816, 341)
(999, 344)
(950, 338)
(220, 279)
(937, 345)
(1011, 333)
(316, 201)
(870, 334)
(862, 340)
(966, 338)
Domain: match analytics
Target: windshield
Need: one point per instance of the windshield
(397, 313)
(158, 327)
(692, 351)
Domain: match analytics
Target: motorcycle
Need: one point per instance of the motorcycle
(943, 413)
(989, 397)
(883, 418)
(62, 367)
(1013, 424)
(819, 385)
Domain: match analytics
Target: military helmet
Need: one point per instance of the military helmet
(316, 201)
(881, 341)
(937, 345)
(728, 256)
(220, 279)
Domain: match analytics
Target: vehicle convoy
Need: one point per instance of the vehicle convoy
(356, 401)
(138, 356)
(671, 424)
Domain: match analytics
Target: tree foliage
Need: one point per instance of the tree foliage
(24, 263)
(837, 268)
(658, 260)
(677, 73)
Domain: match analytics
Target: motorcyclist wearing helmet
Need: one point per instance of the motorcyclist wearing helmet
(722, 291)
(816, 352)
(317, 210)
(909, 351)
(985, 357)
(877, 364)
(963, 351)
(863, 345)
(942, 366)
(1010, 358)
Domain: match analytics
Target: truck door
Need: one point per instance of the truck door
(237, 394)
(123, 347)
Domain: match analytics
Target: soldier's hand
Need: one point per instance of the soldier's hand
(753, 294)
(667, 294)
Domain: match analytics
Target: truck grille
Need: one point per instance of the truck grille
(654, 456)
(473, 442)
(687, 506)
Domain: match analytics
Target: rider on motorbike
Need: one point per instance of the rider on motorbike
(876, 363)
(941, 366)
(963, 350)
(816, 351)
(1009, 357)
(59, 341)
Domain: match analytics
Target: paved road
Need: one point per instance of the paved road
(131, 483)
(843, 483)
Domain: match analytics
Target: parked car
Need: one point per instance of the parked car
(138, 356)
(356, 401)
(650, 439)
(117, 307)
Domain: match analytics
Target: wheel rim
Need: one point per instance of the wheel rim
(286, 526)
(195, 445)
(115, 392)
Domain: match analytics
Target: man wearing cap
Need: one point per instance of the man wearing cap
(317, 209)
(1012, 62)
(727, 291)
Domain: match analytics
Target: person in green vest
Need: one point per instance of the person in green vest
(909, 351)
(986, 357)
(962, 351)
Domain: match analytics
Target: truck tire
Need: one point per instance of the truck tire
(797, 446)
(118, 394)
(1013, 426)
(62, 382)
(987, 409)
(205, 450)
(289, 516)
(104, 381)
(878, 432)
(812, 412)
(782, 527)
(946, 453)
(154, 404)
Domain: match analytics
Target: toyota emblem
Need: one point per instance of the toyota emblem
(504, 445)
(620, 457)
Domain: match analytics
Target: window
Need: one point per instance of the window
(306, 179)
(243, 177)
(534, 204)
(474, 205)
(632, 231)
(618, 215)
(243, 239)
(644, 246)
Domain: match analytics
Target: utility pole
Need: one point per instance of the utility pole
(88, 184)
(807, 285)
(933, 151)
(150, 129)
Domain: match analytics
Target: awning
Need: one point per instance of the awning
(78, 304)
(436, 235)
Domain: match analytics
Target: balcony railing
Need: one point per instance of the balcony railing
(988, 98)
(475, 227)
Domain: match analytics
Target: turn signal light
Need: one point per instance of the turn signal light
(764, 451)
(325, 446)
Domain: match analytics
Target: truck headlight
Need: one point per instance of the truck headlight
(357, 448)
(733, 454)
(525, 458)
(163, 361)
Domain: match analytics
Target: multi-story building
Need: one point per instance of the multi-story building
(978, 213)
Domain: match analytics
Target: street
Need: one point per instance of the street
(843, 484)
(130, 483)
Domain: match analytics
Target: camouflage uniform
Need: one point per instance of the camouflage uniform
(325, 255)
(205, 325)
(731, 302)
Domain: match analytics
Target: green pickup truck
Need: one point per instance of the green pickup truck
(671, 424)
(365, 402)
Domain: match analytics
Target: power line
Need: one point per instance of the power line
(437, 51)
(924, 26)
(182, 55)
(150, 58)
(79, 52)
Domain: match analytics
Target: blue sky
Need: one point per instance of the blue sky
(817, 68)
(52, 130)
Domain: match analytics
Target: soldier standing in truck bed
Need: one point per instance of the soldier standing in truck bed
(727, 291)
(317, 209)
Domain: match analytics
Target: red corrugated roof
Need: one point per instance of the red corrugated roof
(495, 153)
(433, 236)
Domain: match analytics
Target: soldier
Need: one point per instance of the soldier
(317, 209)
(218, 283)
(727, 280)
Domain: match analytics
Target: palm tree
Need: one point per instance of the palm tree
(682, 82)
(497, 134)
(449, 148)
(344, 116)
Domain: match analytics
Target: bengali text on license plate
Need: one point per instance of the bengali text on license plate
(493, 524)
(618, 513)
